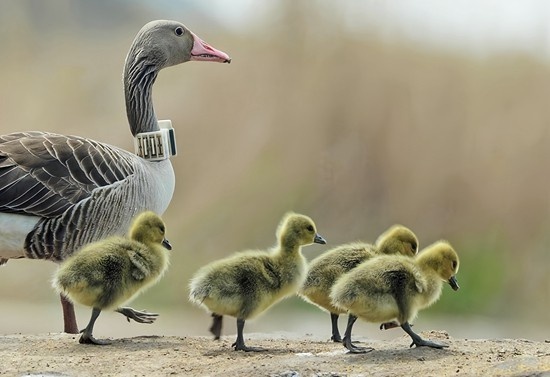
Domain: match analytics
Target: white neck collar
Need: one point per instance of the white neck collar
(157, 145)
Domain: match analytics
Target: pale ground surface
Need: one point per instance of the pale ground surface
(297, 346)
(296, 336)
(287, 355)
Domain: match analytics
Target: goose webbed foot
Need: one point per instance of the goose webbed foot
(418, 341)
(216, 328)
(138, 316)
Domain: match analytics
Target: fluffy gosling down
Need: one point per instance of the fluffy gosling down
(105, 274)
(394, 287)
(327, 268)
(247, 283)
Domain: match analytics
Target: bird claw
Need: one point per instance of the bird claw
(138, 316)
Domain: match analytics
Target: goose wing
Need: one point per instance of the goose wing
(44, 174)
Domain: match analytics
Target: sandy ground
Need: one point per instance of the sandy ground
(287, 355)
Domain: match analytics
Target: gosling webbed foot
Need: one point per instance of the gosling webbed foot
(418, 341)
(240, 346)
(239, 342)
(138, 316)
(426, 343)
(87, 338)
(352, 348)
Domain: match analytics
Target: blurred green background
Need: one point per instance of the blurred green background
(359, 114)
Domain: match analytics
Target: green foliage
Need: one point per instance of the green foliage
(481, 278)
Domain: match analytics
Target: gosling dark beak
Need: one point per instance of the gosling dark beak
(319, 239)
(167, 244)
(453, 283)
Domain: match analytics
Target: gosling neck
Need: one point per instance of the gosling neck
(139, 76)
(289, 245)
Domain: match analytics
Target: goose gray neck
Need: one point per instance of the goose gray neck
(139, 77)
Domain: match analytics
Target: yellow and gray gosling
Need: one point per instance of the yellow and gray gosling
(247, 283)
(326, 269)
(394, 287)
(105, 274)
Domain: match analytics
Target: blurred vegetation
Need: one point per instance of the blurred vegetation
(356, 131)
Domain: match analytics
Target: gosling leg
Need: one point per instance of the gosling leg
(87, 337)
(417, 340)
(69, 318)
(140, 317)
(347, 338)
(216, 328)
(239, 343)
(335, 332)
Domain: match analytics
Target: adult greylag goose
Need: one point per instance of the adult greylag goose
(108, 273)
(59, 192)
(247, 283)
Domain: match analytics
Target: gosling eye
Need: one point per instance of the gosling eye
(454, 265)
(310, 228)
(179, 31)
(414, 247)
(162, 229)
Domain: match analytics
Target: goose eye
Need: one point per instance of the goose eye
(310, 228)
(162, 229)
(179, 31)
(454, 265)
(414, 246)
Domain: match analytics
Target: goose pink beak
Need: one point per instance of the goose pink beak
(202, 51)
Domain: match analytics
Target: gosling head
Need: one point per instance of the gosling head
(299, 230)
(166, 43)
(398, 239)
(444, 260)
(148, 228)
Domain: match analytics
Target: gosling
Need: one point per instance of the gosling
(327, 268)
(395, 287)
(105, 274)
(247, 283)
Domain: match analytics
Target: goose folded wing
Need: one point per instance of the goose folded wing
(44, 174)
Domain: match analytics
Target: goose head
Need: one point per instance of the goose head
(443, 259)
(149, 228)
(298, 230)
(159, 44)
(398, 239)
(164, 43)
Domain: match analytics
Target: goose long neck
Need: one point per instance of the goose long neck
(139, 77)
